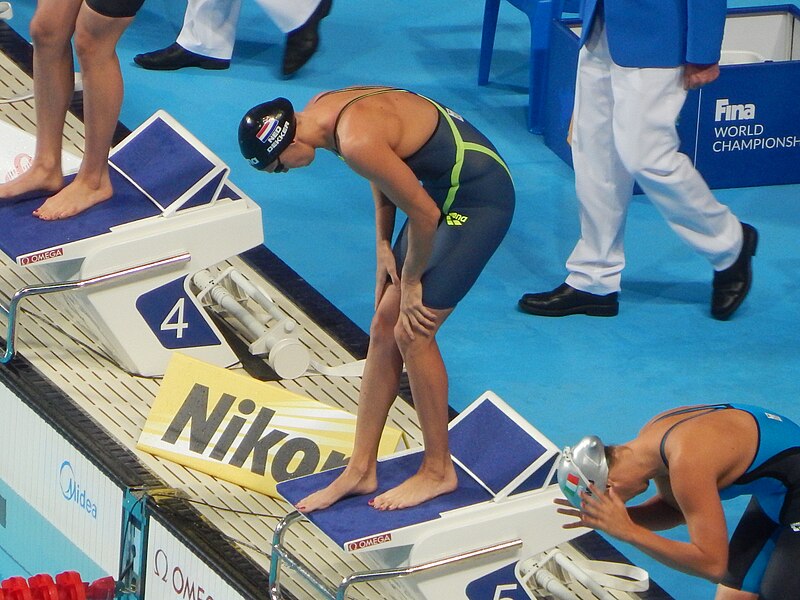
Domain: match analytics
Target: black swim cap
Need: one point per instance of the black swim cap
(266, 131)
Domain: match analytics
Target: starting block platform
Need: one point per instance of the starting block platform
(129, 261)
(502, 512)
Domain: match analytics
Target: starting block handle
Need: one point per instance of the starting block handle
(10, 312)
(281, 554)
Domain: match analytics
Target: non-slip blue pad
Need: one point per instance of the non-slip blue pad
(22, 233)
(162, 162)
(493, 447)
(353, 519)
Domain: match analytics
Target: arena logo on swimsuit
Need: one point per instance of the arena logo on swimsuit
(455, 115)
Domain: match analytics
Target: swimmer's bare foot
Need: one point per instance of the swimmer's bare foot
(349, 483)
(418, 488)
(33, 180)
(73, 199)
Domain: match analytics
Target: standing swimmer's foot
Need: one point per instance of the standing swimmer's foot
(415, 490)
(73, 199)
(349, 483)
(33, 180)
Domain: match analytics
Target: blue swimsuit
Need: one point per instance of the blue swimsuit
(764, 556)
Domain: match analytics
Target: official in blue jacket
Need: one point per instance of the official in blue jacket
(637, 60)
(659, 33)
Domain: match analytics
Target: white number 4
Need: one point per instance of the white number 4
(174, 320)
(508, 587)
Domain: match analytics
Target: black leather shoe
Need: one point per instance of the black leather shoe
(302, 43)
(732, 284)
(176, 57)
(566, 300)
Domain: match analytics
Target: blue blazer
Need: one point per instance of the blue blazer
(659, 33)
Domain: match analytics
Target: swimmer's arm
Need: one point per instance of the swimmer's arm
(385, 213)
(706, 553)
(367, 140)
(659, 512)
(376, 161)
(385, 264)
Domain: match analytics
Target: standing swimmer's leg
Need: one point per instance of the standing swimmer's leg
(51, 30)
(379, 386)
(96, 38)
(428, 379)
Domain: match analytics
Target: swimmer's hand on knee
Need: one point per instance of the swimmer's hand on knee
(415, 317)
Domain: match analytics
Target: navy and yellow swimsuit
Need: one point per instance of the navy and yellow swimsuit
(471, 184)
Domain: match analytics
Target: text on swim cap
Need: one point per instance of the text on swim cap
(279, 137)
(267, 131)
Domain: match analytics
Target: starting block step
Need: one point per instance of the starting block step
(497, 455)
(172, 198)
(502, 511)
(354, 525)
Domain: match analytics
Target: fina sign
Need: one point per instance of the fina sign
(245, 431)
(72, 492)
(744, 128)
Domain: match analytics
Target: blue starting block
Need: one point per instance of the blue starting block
(501, 513)
(128, 261)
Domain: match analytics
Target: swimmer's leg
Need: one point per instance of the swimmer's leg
(379, 386)
(428, 379)
(51, 30)
(96, 38)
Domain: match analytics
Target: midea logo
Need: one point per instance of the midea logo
(71, 489)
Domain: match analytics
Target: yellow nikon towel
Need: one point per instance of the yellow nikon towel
(245, 431)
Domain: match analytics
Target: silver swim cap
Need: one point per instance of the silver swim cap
(581, 465)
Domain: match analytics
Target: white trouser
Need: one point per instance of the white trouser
(209, 26)
(624, 131)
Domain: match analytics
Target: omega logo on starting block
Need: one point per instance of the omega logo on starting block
(40, 256)
(368, 542)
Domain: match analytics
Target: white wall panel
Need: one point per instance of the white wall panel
(175, 573)
(59, 482)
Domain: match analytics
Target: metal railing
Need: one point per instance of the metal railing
(10, 311)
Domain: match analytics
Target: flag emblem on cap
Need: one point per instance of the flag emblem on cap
(269, 126)
(572, 482)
